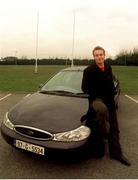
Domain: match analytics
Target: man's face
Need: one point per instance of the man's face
(99, 56)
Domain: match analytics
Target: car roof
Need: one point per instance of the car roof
(75, 68)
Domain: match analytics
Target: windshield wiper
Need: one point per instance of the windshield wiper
(63, 92)
(46, 92)
(56, 92)
(82, 94)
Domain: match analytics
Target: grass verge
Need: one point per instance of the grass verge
(19, 78)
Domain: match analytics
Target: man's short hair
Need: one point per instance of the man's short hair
(98, 48)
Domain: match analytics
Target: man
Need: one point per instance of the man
(98, 84)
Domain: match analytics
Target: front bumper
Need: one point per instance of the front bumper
(50, 146)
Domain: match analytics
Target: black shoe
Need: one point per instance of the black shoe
(123, 160)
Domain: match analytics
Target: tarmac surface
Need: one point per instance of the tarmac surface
(16, 164)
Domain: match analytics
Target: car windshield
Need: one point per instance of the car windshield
(65, 81)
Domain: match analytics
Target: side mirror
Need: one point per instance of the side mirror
(40, 85)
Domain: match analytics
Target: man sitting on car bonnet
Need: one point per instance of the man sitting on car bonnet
(98, 83)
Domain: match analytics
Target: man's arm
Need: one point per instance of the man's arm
(85, 82)
(113, 86)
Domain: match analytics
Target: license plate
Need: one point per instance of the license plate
(29, 147)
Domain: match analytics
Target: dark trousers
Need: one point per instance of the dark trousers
(103, 123)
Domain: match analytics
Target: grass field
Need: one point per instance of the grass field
(128, 77)
(23, 79)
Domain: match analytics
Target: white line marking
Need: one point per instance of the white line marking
(27, 95)
(5, 97)
(132, 98)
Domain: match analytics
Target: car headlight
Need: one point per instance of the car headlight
(7, 122)
(78, 134)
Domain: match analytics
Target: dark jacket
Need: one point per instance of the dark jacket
(99, 84)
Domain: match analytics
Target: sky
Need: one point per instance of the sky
(112, 24)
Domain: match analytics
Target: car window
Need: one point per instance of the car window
(65, 81)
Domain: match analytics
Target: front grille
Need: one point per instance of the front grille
(33, 133)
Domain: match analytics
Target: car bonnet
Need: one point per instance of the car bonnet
(52, 113)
